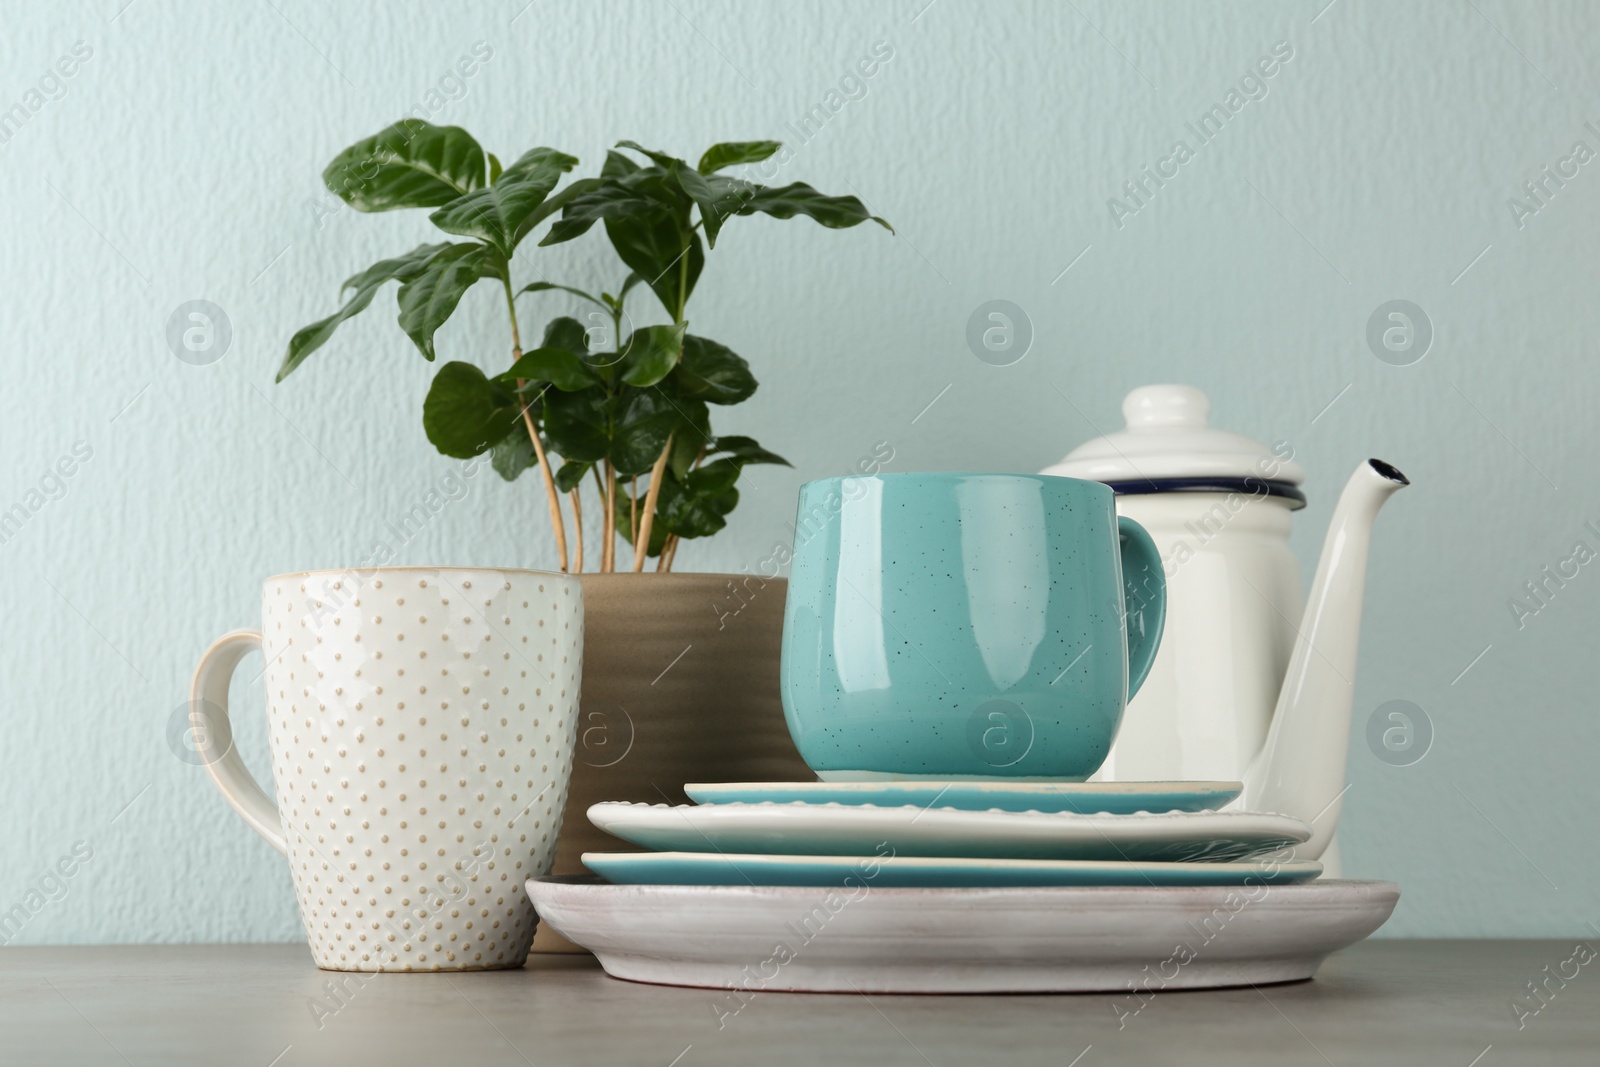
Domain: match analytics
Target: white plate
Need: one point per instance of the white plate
(980, 794)
(962, 940)
(926, 872)
(858, 830)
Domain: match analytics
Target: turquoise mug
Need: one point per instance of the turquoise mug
(965, 626)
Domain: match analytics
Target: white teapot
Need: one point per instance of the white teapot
(1245, 686)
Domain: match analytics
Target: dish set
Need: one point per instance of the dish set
(1054, 718)
(1060, 723)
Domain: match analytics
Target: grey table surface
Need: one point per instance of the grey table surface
(1382, 1002)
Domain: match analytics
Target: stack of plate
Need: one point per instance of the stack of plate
(974, 886)
(949, 835)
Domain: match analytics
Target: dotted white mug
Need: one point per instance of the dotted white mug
(421, 724)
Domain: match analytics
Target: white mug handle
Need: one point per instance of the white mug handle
(208, 714)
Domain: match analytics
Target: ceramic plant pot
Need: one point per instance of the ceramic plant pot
(680, 684)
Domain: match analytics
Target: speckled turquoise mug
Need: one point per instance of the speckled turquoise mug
(965, 626)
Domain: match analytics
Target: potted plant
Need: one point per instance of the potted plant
(680, 671)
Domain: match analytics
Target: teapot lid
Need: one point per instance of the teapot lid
(1168, 446)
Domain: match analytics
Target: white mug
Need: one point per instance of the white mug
(421, 730)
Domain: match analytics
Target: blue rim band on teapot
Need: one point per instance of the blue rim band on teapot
(1248, 486)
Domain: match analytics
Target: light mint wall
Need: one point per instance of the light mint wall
(182, 159)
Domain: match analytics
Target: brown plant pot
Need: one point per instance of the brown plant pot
(680, 684)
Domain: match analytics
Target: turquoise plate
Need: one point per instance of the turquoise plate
(857, 872)
(1084, 798)
(866, 830)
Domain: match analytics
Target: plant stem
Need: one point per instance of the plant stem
(577, 519)
(557, 524)
(556, 521)
(641, 534)
(600, 487)
(511, 307)
(608, 555)
(683, 281)
(633, 510)
(641, 542)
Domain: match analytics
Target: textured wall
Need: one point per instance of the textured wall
(180, 161)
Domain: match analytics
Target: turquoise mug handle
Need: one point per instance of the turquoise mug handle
(1144, 599)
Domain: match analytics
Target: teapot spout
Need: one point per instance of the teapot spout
(1300, 770)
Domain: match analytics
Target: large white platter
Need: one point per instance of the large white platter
(859, 830)
(1013, 940)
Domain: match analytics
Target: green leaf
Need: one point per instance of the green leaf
(615, 302)
(541, 287)
(718, 198)
(429, 298)
(606, 198)
(540, 164)
(661, 159)
(693, 432)
(653, 245)
(558, 202)
(696, 419)
(695, 507)
(402, 268)
(746, 451)
(651, 354)
(733, 153)
(496, 213)
(798, 198)
(571, 475)
(566, 332)
(410, 164)
(617, 165)
(560, 367)
(366, 285)
(578, 424)
(495, 169)
(644, 421)
(685, 449)
(512, 456)
(493, 265)
(715, 477)
(466, 412)
(712, 372)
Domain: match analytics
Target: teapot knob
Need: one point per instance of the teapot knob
(1152, 407)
